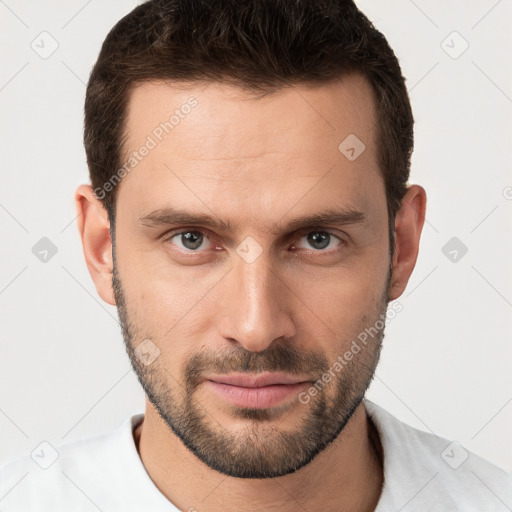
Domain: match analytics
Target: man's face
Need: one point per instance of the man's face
(262, 294)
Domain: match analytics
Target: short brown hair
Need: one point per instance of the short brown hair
(259, 45)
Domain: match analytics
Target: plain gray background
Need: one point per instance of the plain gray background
(446, 362)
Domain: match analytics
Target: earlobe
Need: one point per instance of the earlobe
(94, 229)
(408, 226)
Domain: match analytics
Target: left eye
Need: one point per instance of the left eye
(320, 240)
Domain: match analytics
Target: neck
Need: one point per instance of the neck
(347, 475)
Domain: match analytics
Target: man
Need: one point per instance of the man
(250, 217)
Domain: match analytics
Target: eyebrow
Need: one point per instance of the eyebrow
(172, 216)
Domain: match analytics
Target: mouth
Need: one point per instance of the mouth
(257, 391)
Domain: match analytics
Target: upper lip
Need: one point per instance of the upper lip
(258, 380)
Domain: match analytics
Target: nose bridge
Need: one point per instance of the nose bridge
(255, 290)
(255, 311)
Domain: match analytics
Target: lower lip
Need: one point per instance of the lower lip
(256, 398)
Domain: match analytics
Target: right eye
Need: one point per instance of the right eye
(188, 240)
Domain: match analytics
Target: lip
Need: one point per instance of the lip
(257, 380)
(259, 391)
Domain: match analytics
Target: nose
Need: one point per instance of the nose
(255, 305)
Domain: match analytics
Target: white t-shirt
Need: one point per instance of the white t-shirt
(422, 472)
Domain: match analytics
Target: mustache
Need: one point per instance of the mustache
(278, 357)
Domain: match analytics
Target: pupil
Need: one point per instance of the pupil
(192, 239)
(319, 240)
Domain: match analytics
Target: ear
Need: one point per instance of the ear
(94, 225)
(408, 226)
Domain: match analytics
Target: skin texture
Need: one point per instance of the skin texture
(258, 164)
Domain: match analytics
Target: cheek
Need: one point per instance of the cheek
(165, 303)
(346, 312)
(336, 299)
(341, 312)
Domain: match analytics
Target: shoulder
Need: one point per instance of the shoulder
(422, 469)
(70, 476)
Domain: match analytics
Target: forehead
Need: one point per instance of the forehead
(224, 113)
(214, 145)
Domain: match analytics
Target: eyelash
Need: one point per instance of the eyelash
(170, 235)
